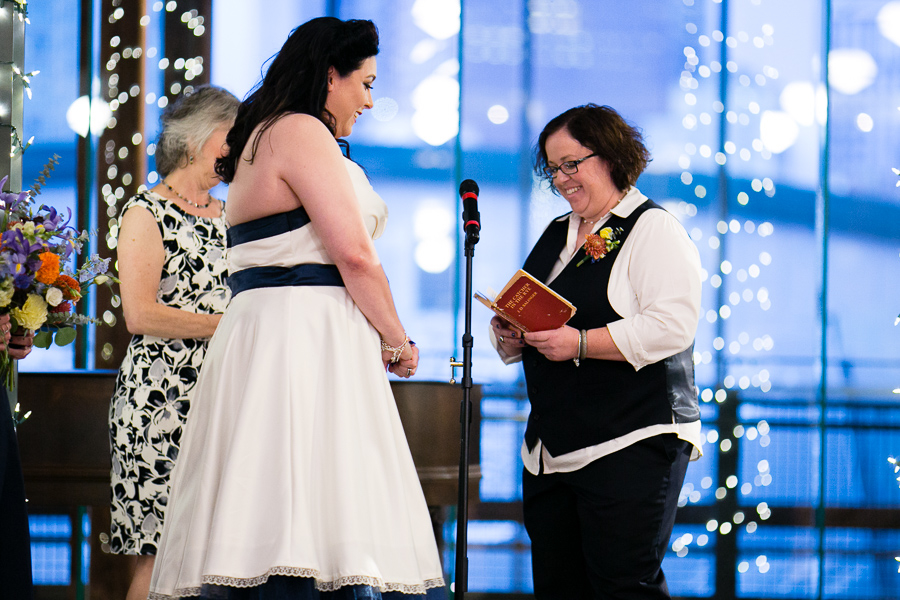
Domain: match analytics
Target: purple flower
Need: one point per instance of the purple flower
(53, 220)
(11, 201)
(23, 281)
(6, 266)
(15, 241)
(20, 257)
(93, 266)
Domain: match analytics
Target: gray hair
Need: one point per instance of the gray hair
(189, 121)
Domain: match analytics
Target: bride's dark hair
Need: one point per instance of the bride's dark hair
(297, 81)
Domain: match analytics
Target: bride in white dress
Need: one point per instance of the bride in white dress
(294, 478)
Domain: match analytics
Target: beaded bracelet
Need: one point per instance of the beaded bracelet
(395, 352)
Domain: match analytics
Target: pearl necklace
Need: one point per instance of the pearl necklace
(194, 204)
(583, 220)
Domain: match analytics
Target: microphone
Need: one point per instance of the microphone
(468, 191)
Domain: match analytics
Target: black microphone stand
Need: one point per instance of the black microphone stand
(465, 418)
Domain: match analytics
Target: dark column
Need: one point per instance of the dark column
(85, 169)
(187, 46)
(121, 163)
(729, 464)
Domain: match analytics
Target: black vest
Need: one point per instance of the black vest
(578, 407)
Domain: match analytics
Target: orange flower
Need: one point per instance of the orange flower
(598, 245)
(70, 288)
(594, 246)
(49, 270)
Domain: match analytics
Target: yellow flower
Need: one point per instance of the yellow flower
(6, 291)
(33, 314)
(606, 233)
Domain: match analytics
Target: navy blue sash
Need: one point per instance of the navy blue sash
(269, 226)
(305, 274)
(268, 276)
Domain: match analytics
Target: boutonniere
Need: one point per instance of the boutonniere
(598, 245)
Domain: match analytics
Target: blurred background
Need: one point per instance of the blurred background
(773, 128)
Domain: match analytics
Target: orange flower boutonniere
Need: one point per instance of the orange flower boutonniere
(598, 245)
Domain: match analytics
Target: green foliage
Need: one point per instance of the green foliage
(65, 336)
(43, 339)
(61, 337)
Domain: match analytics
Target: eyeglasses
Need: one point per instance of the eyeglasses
(570, 167)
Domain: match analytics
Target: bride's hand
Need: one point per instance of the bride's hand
(406, 367)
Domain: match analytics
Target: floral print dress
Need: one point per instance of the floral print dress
(153, 388)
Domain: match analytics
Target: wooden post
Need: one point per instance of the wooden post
(121, 159)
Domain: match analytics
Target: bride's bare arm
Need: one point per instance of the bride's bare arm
(310, 162)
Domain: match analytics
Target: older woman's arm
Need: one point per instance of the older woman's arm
(141, 260)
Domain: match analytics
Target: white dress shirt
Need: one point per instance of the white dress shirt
(655, 286)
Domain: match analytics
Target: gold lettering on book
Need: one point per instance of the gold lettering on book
(522, 306)
(519, 296)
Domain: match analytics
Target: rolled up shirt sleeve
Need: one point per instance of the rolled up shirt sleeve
(655, 286)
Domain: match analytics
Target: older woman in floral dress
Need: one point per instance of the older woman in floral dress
(172, 262)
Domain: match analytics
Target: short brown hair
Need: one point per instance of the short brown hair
(607, 134)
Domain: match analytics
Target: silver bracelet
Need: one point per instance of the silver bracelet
(395, 352)
(581, 342)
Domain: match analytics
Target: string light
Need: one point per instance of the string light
(17, 148)
(24, 78)
(19, 7)
(735, 278)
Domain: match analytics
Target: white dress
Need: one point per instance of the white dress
(294, 461)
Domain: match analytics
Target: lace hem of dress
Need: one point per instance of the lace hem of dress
(322, 586)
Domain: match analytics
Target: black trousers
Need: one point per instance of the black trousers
(602, 531)
(15, 544)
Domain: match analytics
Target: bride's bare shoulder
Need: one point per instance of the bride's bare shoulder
(293, 134)
(297, 123)
(299, 135)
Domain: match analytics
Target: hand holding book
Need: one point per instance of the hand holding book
(529, 305)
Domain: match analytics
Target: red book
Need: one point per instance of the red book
(529, 305)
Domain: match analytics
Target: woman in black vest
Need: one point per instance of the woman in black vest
(614, 414)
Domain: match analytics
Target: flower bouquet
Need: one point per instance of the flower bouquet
(39, 284)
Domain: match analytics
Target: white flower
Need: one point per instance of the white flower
(101, 279)
(54, 296)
